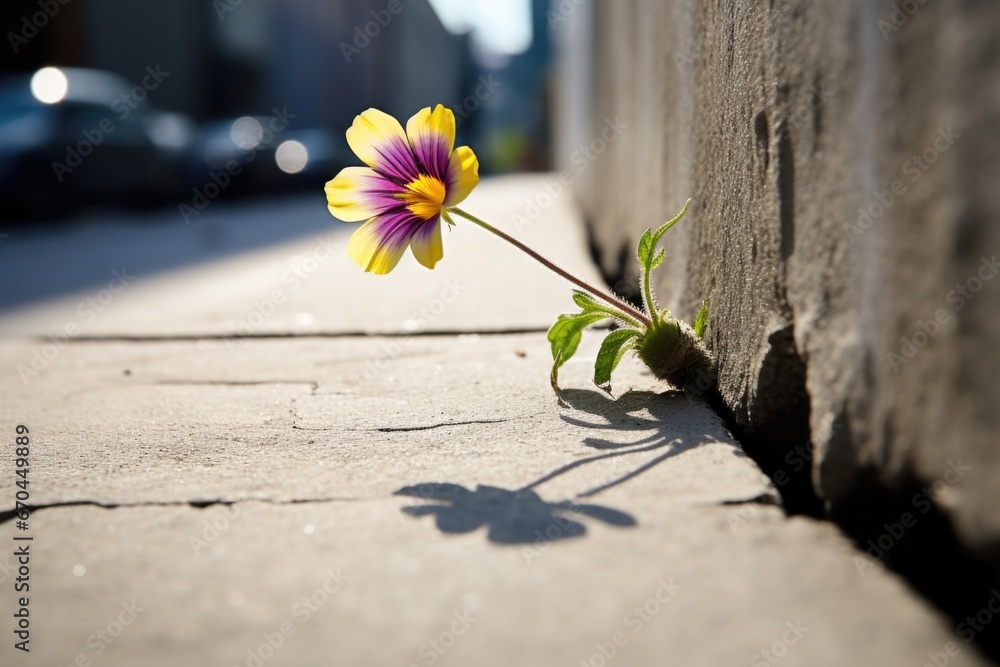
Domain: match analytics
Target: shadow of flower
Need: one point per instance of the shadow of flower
(649, 423)
(512, 517)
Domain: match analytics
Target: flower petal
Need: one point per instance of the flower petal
(463, 175)
(432, 137)
(378, 245)
(360, 193)
(426, 244)
(378, 139)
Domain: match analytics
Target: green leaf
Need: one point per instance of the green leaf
(650, 239)
(614, 347)
(565, 334)
(701, 321)
(645, 248)
(585, 301)
(565, 337)
(658, 259)
(658, 234)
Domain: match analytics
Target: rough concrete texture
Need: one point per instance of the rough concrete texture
(412, 500)
(213, 278)
(233, 483)
(843, 163)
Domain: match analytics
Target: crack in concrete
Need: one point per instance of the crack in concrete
(9, 515)
(405, 429)
(759, 499)
(313, 384)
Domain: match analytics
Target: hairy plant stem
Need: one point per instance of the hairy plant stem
(616, 303)
(647, 294)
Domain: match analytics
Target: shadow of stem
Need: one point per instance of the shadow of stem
(521, 516)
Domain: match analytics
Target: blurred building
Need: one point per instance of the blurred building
(321, 60)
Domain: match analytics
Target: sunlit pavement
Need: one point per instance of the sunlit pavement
(245, 451)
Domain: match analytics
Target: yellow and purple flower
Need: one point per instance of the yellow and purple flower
(410, 179)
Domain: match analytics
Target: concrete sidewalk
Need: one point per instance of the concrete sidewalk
(307, 496)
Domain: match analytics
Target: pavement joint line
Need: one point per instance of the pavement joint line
(237, 383)
(443, 333)
(197, 504)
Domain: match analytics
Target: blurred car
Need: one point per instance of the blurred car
(71, 137)
(262, 154)
(310, 156)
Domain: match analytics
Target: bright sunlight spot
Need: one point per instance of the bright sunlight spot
(503, 28)
(49, 85)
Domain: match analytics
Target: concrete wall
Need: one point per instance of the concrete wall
(843, 162)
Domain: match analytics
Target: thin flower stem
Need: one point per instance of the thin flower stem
(616, 303)
(647, 294)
